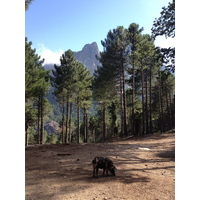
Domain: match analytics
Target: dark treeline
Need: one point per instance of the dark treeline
(132, 90)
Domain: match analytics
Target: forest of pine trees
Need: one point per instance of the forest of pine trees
(132, 92)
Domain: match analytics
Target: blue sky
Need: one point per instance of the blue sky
(55, 26)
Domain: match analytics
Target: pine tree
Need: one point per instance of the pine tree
(135, 38)
(145, 55)
(33, 64)
(36, 87)
(30, 119)
(42, 88)
(165, 25)
(86, 104)
(27, 3)
(83, 93)
(63, 80)
(104, 91)
(115, 56)
(93, 126)
(71, 81)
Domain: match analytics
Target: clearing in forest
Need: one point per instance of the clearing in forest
(145, 170)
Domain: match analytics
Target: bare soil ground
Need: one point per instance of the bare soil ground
(146, 168)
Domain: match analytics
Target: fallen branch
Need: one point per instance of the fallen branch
(64, 154)
(128, 137)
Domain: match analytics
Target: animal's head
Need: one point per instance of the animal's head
(112, 170)
(97, 160)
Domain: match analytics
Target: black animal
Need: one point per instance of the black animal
(103, 163)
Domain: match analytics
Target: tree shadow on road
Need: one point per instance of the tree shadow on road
(167, 154)
(126, 178)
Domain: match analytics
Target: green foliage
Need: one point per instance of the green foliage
(27, 3)
(30, 115)
(169, 58)
(110, 78)
(72, 82)
(82, 86)
(51, 139)
(113, 118)
(131, 92)
(36, 87)
(165, 25)
(128, 102)
(56, 114)
(33, 71)
(32, 136)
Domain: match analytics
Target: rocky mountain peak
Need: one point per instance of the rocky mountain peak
(52, 127)
(87, 56)
(92, 47)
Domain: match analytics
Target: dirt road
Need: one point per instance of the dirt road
(146, 168)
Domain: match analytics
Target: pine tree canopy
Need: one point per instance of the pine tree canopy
(165, 24)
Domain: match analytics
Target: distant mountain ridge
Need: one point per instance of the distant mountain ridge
(86, 56)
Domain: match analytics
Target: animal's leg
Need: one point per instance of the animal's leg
(97, 169)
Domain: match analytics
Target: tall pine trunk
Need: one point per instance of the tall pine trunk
(85, 126)
(38, 118)
(146, 110)
(133, 101)
(63, 112)
(168, 110)
(66, 124)
(150, 106)
(70, 123)
(86, 121)
(121, 107)
(143, 108)
(104, 123)
(41, 118)
(26, 135)
(124, 102)
(160, 104)
(94, 135)
(171, 110)
(42, 129)
(78, 122)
